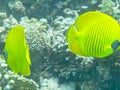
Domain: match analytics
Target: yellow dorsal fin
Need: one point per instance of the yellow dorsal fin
(90, 18)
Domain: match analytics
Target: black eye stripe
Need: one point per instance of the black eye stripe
(115, 45)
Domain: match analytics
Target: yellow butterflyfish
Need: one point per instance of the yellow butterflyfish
(94, 34)
(16, 51)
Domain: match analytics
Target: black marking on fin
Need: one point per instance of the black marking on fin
(115, 45)
(5, 54)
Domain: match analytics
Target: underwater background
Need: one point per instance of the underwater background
(53, 66)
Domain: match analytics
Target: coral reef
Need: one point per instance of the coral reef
(52, 84)
(111, 8)
(54, 67)
(48, 9)
(11, 81)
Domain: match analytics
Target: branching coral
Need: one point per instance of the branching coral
(111, 8)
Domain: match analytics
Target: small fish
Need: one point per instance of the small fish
(16, 51)
(94, 34)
